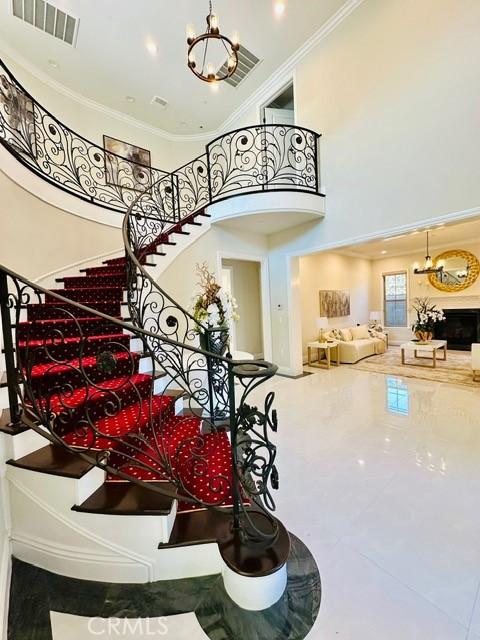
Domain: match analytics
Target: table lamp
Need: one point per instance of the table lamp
(322, 324)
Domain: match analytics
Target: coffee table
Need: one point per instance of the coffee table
(331, 353)
(430, 350)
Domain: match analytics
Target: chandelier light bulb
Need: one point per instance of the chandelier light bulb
(231, 63)
(191, 59)
(214, 23)
(190, 33)
(428, 262)
(236, 39)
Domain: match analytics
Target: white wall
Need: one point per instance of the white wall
(180, 279)
(333, 271)
(246, 290)
(394, 92)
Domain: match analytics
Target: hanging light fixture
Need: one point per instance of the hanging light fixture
(199, 44)
(428, 264)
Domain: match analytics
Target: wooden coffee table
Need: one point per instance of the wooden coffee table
(430, 350)
(331, 354)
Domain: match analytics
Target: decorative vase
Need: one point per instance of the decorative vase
(218, 343)
(423, 336)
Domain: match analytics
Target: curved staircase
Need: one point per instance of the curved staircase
(144, 411)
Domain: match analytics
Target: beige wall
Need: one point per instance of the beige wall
(179, 278)
(246, 290)
(36, 238)
(333, 271)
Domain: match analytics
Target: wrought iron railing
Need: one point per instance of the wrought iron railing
(76, 397)
(249, 160)
(60, 385)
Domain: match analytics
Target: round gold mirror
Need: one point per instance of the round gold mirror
(460, 270)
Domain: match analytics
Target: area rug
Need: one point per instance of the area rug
(456, 370)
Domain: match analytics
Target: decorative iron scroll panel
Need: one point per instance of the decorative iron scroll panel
(257, 158)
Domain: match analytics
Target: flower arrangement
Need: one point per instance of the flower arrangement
(427, 316)
(213, 306)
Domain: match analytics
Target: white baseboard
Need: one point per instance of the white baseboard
(5, 576)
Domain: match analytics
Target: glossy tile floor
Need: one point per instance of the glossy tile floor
(380, 477)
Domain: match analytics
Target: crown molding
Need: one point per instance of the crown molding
(284, 71)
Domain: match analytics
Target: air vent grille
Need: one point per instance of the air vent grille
(159, 102)
(47, 18)
(247, 61)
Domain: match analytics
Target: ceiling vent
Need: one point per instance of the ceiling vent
(247, 61)
(47, 18)
(159, 102)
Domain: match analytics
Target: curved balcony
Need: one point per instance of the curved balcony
(253, 160)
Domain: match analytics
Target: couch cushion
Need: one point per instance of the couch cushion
(360, 333)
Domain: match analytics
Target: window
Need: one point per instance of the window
(395, 299)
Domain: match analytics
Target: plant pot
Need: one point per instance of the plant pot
(424, 336)
(216, 341)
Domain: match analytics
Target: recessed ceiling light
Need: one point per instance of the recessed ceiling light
(279, 8)
(130, 99)
(53, 63)
(152, 47)
(201, 126)
(383, 252)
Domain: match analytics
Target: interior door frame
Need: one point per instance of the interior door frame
(264, 293)
(278, 89)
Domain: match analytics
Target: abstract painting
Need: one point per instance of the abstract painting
(126, 165)
(334, 304)
(17, 117)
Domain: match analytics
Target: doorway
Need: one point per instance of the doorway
(281, 108)
(242, 279)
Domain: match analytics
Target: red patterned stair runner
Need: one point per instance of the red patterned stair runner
(63, 349)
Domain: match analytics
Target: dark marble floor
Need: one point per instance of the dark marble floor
(35, 592)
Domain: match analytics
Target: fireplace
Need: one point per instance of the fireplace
(461, 328)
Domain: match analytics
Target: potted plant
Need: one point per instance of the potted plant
(214, 309)
(427, 316)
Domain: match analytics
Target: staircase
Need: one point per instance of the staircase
(118, 391)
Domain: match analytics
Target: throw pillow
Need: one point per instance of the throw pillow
(360, 333)
(346, 335)
(336, 335)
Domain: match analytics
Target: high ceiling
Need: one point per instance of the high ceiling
(111, 60)
(441, 236)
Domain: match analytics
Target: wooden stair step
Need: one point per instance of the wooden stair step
(127, 499)
(7, 427)
(54, 460)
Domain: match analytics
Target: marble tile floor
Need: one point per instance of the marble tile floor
(380, 477)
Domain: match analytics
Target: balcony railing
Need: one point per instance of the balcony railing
(249, 160)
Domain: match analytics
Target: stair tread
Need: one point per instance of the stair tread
(39, 370)
(54, 460)
(9, 429)
(102, 337)
(126, 498)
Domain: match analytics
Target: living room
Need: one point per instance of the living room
(364, 298)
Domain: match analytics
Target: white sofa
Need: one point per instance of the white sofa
(356, 343)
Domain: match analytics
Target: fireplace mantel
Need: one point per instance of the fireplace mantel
(456, 302)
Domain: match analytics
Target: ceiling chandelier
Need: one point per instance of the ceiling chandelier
(428, 265)
(199, 44)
